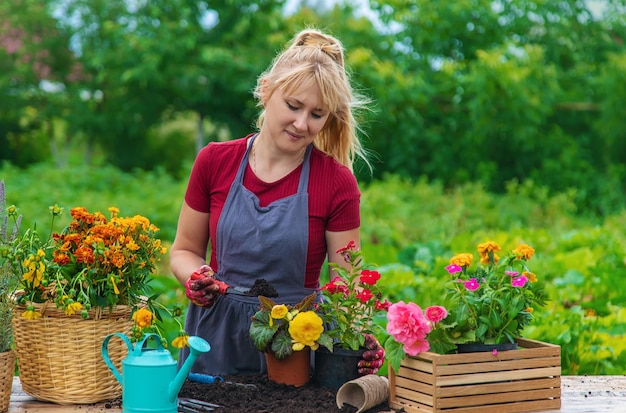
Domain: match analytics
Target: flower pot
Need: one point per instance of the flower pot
(334, 369)
(7, 369)
(60, 356)
(294, 370)
(480, 347)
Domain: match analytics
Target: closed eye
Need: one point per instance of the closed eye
(295, 108)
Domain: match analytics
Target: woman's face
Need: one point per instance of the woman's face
(292, 120)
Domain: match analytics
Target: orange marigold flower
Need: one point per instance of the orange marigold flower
(462, 260)
(531, 276)
(487, 249)
(524, 251)
(143, 318)
(486, 260)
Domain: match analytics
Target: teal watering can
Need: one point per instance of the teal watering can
(150, 381)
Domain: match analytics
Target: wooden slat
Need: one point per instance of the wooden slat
(473, 379)
(495, 398)
(520, 385)
(498, 365)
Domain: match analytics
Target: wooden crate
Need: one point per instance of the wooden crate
(524, 380)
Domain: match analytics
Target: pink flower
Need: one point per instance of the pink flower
(519, 281)
(408, 326)
(512, 273)
(369, 277)
(471, 284)
(453, 268)
(436, 313)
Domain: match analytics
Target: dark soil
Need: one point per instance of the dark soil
(262, 287)
(257, 394)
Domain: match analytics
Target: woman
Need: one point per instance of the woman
(274, 205)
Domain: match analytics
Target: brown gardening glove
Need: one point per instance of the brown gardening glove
(202, 288)
(373, 357)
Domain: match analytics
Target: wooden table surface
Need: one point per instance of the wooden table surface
(579, 394)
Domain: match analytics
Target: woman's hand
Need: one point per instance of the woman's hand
(373, 357)
(202, 288)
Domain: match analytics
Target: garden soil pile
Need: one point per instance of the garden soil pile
(257, 394)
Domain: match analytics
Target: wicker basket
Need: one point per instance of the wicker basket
(60, 356)
(7, 369)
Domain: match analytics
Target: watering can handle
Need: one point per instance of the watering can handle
(140, 343)
(105, 353)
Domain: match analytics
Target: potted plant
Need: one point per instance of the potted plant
(351, 305)
(86, 281)
(283, 331)
(9, 281)
(487, 305)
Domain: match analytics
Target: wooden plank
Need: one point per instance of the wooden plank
(498, 398)
(521, 385)
(498, 376)
(498, 365)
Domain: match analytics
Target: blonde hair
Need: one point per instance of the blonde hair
(316, 57)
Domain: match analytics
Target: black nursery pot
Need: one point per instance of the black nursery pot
(480, 348)
(334, 369)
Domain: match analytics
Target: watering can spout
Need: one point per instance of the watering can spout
(197, 346)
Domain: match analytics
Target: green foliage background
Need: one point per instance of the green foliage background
(410, 230)
(490, 120)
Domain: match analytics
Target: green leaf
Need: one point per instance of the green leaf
(394, 353)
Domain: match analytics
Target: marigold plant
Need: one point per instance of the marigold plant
(94, 262)
(492, 303)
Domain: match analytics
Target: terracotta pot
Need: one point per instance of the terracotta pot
(7, 369)
(295, 370)
(334, 369)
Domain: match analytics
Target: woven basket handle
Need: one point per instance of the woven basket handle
(105, 353)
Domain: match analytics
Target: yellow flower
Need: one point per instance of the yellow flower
(36, 268)
(529, 310)
(279, 312)
(115, 289)
(181, 341)
(462, 260)
(73, 308)
(305, 329)
(524, 251)
(31, 314)
(143, 318)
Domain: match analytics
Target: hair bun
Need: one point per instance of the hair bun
(327, 44)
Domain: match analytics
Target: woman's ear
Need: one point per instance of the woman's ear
(264, 92)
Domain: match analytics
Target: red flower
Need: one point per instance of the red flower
(369, 277)
(382, 305)
(351, 246)
(365, 296)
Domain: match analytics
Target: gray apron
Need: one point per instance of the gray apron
(252, 242)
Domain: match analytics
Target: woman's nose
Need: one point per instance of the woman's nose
(300, 121)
